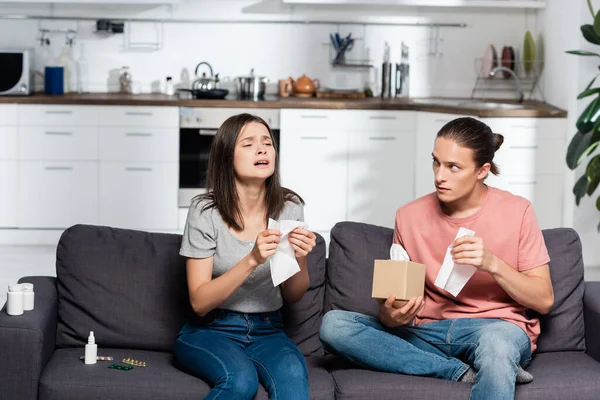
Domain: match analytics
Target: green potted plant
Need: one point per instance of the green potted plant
(587, 138)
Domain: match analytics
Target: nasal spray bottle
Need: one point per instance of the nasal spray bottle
(91, 349)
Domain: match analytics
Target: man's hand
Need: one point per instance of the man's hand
(471, 250)
(391, 316)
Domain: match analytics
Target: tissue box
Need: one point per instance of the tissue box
(403, 279)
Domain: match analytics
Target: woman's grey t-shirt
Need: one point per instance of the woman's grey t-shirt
(206, 235)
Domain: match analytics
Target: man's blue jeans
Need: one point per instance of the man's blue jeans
(442, 349)
(233, 352)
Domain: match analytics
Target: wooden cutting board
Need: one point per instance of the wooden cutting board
(331, 94)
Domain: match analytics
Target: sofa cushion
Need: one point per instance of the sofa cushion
(354, 246)
(563, 327)
(562, 375)
(355, 383)
(67, 378)
(130, 288)
(556, 376)
(352, 250)
(302, 320)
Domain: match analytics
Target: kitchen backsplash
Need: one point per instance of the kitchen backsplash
(277, 50)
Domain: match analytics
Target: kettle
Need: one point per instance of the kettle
(205, 82)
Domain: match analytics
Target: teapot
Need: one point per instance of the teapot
(205, 82)
(304, 86)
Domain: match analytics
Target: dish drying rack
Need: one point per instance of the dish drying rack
(499, 83)
(345, 58)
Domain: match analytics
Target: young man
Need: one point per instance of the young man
(482, 335)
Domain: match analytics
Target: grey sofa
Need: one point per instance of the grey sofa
(129, 288)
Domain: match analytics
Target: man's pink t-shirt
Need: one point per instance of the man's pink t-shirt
(510, 230)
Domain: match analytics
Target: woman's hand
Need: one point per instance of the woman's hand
(265, 246)
(302, 241)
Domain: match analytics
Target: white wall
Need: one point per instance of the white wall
(566, 76)
(281, 50)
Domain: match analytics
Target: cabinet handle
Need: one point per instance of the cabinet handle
(137, 134)
(207, 132)
(145, 169)
(524, 147)
(382, 117)
(523, 183)
(59, 133)
(58, 168)
(382, 138)
(148, 113)
(58, 112)
(313, 137)
(314, 116)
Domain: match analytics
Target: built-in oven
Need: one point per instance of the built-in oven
(197, 129)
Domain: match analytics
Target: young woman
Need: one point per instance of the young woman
(237, 339)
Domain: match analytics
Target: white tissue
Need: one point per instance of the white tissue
(397, 253)
(283, 263)
(453, 277)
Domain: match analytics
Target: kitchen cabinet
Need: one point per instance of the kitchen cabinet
(381, 164)
(8, 188)
(314, 163)
(8, 165)
(139, 169)
(57, 194)
(139, 195)
(529, 4)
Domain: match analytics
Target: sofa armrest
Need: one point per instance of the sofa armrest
(27, 341)
(591, 315)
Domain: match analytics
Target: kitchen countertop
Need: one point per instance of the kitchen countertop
(534, 109)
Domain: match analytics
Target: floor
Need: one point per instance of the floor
(19, 261)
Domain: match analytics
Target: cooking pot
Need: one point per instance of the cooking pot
(251, 86)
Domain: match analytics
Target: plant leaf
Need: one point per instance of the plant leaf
(598, 204)
(598, 227)
(583, 53)
(588, 92)
(592, 81)
(592, 170)
(578, 144)
(589, 117)
(580, 188)
(590, 7)
(589, 34)
(592, 186)
(597, 23)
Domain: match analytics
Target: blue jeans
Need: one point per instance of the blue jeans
(442, 349)
(233, 352)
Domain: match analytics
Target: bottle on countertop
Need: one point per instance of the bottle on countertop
(386, 73)
(91, 350)
(169, 90)
(125, 81)
(82, 71)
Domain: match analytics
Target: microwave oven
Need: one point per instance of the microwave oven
(15, 71)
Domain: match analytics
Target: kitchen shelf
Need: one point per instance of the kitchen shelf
(531, 4)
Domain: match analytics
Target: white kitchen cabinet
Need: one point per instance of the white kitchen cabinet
(428, 125)
(139, 116)
(517, 4)
(314, 163)
(57, 194)
(380, 165)
(138, 195)
(47, 115)
(58, 143)
(8, 142)
(139, 144)
(8, 189)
